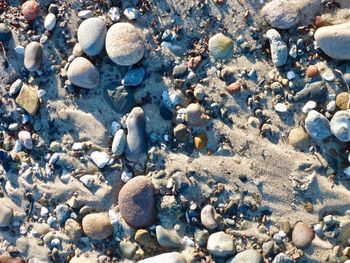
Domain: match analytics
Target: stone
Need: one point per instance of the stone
(181, 133)
(220, 46)
(62, 213)
(302, 235)
(85, 258)
(101, 159)
(344, 236)
(97, 226)
(297, 136)
(311, 71)
(166, 238)
(131, 13)
(85, 14)
(199, 92)
(50, 21)
(73, 229)
(228, 74)
(194, 62)
(137, 203)
(248, 256)
(5, 32)
(317, 125)
(30, 10)
(83, 73)
(15, 87)
(77, 51)
(340, 125)
(310, 105)
(170, 257)
(134, 76)
(209, 217)
(6, 215)
(7, 258)
(268, 248)
(119, 142)
(195, 115)
(280, 14)
(334, 40)
(120, 99)
(282, 258)
(234, 87)
(136, 140)
(201, 236)
(28, 99)
(128, 249)
(26, 139)
(146, 240)
(53, 8)
(91, 35)
(279, 50)
(342, 101)
(316, 91)
(124, 44)
(179, 71)
(220, 244)
(200, 141)
(33, 56)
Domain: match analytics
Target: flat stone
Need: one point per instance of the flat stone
(91, 35)
(83, 73)
(171, 257)
(302, 235)
(97, 226)
(166, 238)
(248, 256)
(30, 10)
(281, 14)
(33, 56)
(28, 99)
(5, 32)
(120, 99)
(134, 76)
(220, 244)
(179, 71)
(119, 142)
(6, 215)
(340, 125)
(136, 202)
(124, 44)
(334, 40)
(279, 50)
(220, 46)
(136, 140)
(317, 125)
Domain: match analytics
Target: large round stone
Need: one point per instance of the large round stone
(124, 44)
(83, 73)
(136, 202)
(97, 226)
(30, 10)
(220, 244)
(340, 125)
(33, 56)
(302, 235)
(91, 35)
(281, 14)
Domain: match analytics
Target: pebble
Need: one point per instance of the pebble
(83, 73)
(170, 257)
(15, 87)
(30, 10)
(340, 125)
(25, 139)
(128, 249)
(62, 213)
(124, 44)
(220, 46)
(181, 133)
(134, 76)
(281, 107)
(268, 248)
(279, 51)
(8, 258)
(316, 91)
(119, 142)
(311, 71)
(50, 21)
(5, 32)
(137, 203)
(342, 101)
(280, 14)
(101, 159)
(180, 71)
(209, 217)
(199, 92)
(334, 40)
(33, 56)
(194, 62)
(297, 136)
(195, 115)
(248, 256)
(91, 35)
(20, 50)
(200, 141)
(331, 106)
(85, 14)
(302, 235)
(310, 105)
(136, 140)
(73, 229)
(131, 13)
(234, 87)
(97, 226)
(53, 9)
(6, 215)
(282, 258)
(28, 99)
(220, 244)
(317, 125)
(120, 99)
(77, 51)
(166, 238)
(114, 14)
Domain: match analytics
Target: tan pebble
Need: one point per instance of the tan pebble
(342, 101)
(200, 141)
(297, 136)
(97, 226)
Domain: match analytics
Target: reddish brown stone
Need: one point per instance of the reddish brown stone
(311, 71)
(234, 87)
(30, 10)
(194, 62)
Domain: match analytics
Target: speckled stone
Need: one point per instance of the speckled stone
(136, 202)
(340, 125)
(302, 235)
(317, 125)
(280, 14)
(221, 244)
(342, 100)
(209, 217)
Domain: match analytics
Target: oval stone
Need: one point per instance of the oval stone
(50, 21)
(33, 56)
(136, 202)
(248, 256)
(124, 44)
(281, 14)
(91, 35)
(30, 10)
(97, 226)
(302, 235)
(220, 46)
(340, 125)
(83, 73)
(317, 125)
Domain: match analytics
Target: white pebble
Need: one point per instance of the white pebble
(26, 139)
(85, 14)
(310, 105)
(77, 146)
(13, 126)
(290, 75)
(18, 146)
(114, 14)
(131, 13)
(50, 21)
(54, 158)
(126, 176)
(44, 211)
(331, 106)
(100, 158)
(41, 93)
(281, 107)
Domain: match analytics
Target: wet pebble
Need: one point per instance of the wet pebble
(119, 142)
(30, 10)
(317, 125)
(33, 56)
(134, 76)
(26, 139)
(83, 73)
(220, 244)
(220, 46)
(340, 125)
(279, 51)
(136, 202)
(97, 226)
(91, 35)
(5, 32)
(280, 14)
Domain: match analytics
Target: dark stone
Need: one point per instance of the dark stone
(5, 32)
(134, 76)
(53, 9)
(120, 99)
(165, 113)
